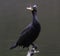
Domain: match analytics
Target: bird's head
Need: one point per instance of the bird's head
(32, 8)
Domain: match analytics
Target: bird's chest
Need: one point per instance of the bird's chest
(35, 31)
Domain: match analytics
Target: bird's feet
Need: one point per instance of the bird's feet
(34, 46)
(32, 50)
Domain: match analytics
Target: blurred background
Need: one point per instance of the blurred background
(14, 17)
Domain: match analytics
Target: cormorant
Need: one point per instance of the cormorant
(31, 32)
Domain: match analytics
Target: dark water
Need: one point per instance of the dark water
(14, 17)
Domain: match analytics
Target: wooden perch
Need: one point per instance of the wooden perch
(32, 51)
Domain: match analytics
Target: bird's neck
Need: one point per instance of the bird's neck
(35, 19)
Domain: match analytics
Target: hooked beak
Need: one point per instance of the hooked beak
(29, 8)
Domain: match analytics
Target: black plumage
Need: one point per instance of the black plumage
(30, 33)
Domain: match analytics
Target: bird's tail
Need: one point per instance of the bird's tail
(14, 46)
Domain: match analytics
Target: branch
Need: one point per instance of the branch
(32, 51)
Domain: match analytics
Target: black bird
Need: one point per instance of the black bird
(31, 32)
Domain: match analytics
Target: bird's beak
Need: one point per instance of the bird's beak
(29, 8)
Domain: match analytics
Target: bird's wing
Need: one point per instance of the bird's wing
(24, 34)
(27, 29)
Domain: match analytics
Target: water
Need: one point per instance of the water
(14, 17)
